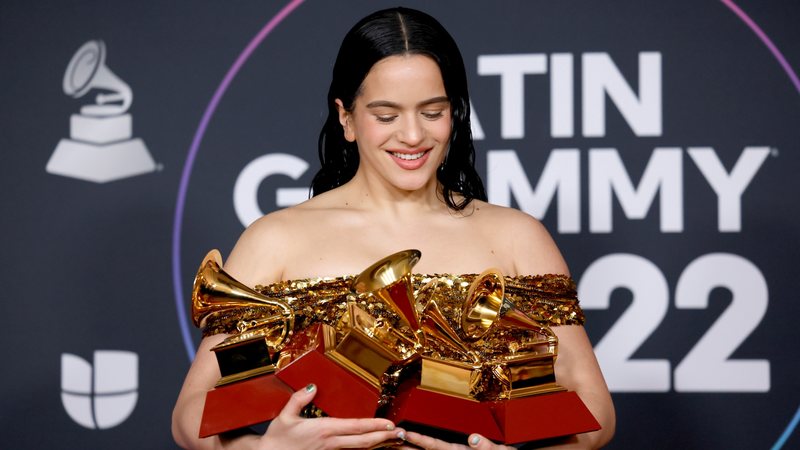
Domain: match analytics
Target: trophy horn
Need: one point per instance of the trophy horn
(215, 291)
(486, 304)
(87, 70)
(435, 325)
(389, 279)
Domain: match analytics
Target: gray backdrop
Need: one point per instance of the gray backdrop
(656, 140)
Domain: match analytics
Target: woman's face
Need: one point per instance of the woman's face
(401, 122)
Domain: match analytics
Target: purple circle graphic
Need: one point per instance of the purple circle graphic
(767, 41)
(187, 167)
(792, 76)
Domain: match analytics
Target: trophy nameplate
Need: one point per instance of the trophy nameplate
(240, 357)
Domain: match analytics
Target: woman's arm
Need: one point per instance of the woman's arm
(202, 376)
(248, 263)
(577, 370)
(576, 366)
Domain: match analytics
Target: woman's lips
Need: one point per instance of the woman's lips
(409, 156)
(410, 160)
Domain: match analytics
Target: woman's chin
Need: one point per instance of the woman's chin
(412, 185)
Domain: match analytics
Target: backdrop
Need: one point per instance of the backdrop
(658, 141)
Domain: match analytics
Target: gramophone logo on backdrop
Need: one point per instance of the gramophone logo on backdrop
(101, 146)
(100, 396)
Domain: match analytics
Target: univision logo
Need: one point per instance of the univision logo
(100, 396)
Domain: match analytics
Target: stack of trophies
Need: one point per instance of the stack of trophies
(390, 351)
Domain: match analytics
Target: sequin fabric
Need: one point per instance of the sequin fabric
(550, 299)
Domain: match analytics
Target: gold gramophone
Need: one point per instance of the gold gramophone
(348, 353)
(527, 369)
(250, 352)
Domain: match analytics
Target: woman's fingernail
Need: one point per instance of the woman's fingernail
(474, 441)
(310, 387)
(401, 435)
(390, 427)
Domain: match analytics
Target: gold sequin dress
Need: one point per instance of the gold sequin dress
(550, 299)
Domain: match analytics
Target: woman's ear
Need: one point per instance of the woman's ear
(345, 118)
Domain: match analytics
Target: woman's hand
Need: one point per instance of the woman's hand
(290, 431)
(475, 441)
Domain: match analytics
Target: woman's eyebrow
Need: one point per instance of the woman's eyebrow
(382, 104)
(430, 101)
(388, 104)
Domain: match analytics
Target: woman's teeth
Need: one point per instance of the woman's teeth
(409, 157)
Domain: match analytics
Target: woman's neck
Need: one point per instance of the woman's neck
(372, 193)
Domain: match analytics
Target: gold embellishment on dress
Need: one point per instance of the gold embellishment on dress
(550, 299)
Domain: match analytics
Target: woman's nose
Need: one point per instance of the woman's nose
(411, 132)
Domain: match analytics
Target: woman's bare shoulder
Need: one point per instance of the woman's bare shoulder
(532, 247)
(278, 226)
(264, 248)
(509, 219)
(258, 256)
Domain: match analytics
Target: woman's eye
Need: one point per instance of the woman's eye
(432, 115)
(385, 119)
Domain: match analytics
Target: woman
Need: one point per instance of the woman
(397, 172)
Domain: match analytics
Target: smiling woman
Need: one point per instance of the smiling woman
(385, 34)
(397, 173)
(401, 123)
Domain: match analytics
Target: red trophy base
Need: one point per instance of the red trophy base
(508, 421)
(243, 403)
(340, 393)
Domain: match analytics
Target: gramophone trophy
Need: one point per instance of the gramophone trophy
(357, 353)
(498, 397)
(101, 146)
(248, 392)
(413, 364)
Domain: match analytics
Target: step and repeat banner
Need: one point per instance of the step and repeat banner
(658, 142)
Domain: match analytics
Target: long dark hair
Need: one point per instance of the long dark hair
(399, 31)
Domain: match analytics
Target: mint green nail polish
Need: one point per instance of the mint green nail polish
(474, 440)
(310, 387)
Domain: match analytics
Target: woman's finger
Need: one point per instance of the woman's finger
(368, 440)
(298, 401)
(343, 427)
(481, 443)
(429, 443)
